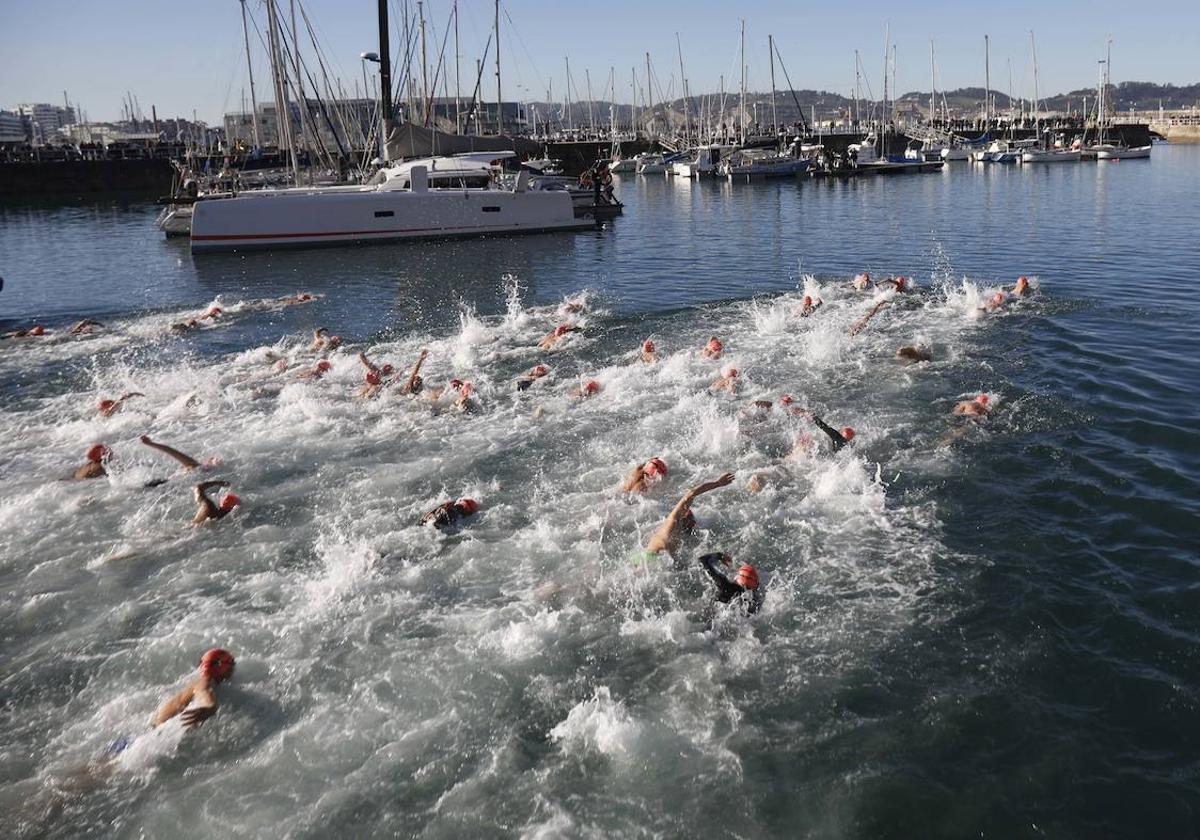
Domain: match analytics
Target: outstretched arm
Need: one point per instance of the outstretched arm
(834, 434)
(362, 357)
(174, 705)
(207, 509)
(663, 536)
(186, 461)
(204, 706)
(633, 481)
(862, 322)
(416, 369)
(727, 589)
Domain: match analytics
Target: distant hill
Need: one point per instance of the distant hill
(967, 101)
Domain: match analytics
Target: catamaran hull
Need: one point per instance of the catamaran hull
(1056, 156)
(306, 219)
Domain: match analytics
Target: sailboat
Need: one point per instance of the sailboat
(1048, 153)
(1103, 149)
(436, 197)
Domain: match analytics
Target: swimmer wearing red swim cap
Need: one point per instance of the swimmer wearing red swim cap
(809, 306)
(1021, 288)
(97, 454)
(837, 438)
(978, 407)
(643, 475)
(712, 348)
(414, 383)
(197, 702)
(588, 389)
(107, 408)
(532, 375)
(206, 509)
(448, 513)
(861, 281)
(556, 335)
(744, 582)
(647, 354)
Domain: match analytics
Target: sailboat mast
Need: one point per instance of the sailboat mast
(385, 79)
(499, 99)
(932, 81)
(457, 76)
(887, 34)
(683, 87)
(742, 101)
(774, 115)
(567, 96)
(1036, 103)
(424, 65)
(250, 71)
(987, 83)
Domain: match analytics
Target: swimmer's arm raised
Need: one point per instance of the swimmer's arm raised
(633, 481)
(186, 461)
(208, 509)
(416, 369)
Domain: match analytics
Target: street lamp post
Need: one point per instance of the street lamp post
(364, 58)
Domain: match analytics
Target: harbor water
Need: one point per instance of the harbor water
(980, 629)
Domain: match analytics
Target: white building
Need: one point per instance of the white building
(12, 129)
(348, 121)
(44, 120)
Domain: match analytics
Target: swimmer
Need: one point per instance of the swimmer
(757, 410)
(318, 370)
(646, 354)
(85, 326)
(977, 407)
(914, 353)
(555, 335)
(837, 438)
(185, 326)
(207, 510)
(464, 403)
(414, 383)
(435, 394)
(36, 331)
(745, 582)
(186, 461)
(728, 382)
(533, 375)
(321, 341)
(213, 313)
(713, 348)
(449, 513)
(197, 702)
(681, 521)
(571, 306)
(994, 303)
(900, 284)
(97, 456)
(1021, 288)
(862, 322)
(108, 408)
(808, 308)
(642, 476)
(374, 378)
(588, 389)
(861, 281)
(301, 297)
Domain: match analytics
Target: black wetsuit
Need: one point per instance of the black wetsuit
(728, 590)
(834, 435)
(442, 516)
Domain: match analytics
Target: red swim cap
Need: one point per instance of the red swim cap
(324, 365)
(37, 330)
(900, 283)
(228, 502)
(1022, 279)
(215, 310)
(982, 399)
(106, 405)
(714, 345)
(998, 298)
(786, 399)
(561, 329)
(386, 369)
(217, 664)
(98, 452)
(591, 387)
(648, 346)
(747, 577)
(467, 506)
(848, 433)
(656, 466)
(539, 370)
(731, 373)
(372, 377)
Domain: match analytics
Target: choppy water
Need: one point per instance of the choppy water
(995, 637)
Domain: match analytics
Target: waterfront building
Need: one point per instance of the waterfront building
(12, 129)
(43, 120)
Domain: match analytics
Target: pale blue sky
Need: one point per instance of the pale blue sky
(183, 55)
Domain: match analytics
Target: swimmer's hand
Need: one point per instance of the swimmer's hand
(196, 715)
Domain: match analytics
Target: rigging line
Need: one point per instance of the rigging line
(513, 28)
(437, 74)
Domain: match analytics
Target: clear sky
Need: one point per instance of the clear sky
(182, 56)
